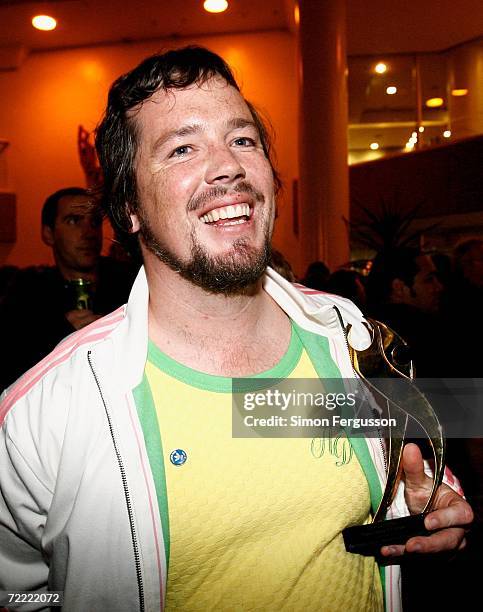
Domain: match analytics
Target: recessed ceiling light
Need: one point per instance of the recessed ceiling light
(374, 146)
(459, 92)
(380, 68)
(391, 90)
(434, 102)
(421, 128)
(215, 6)
(44, 22)
(447, 133)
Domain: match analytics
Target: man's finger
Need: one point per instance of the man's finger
(413, 466)
(448, 539)
(455, 512)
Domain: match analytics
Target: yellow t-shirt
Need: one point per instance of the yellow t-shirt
(255, 524)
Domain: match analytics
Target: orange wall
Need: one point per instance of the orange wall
(44, 101)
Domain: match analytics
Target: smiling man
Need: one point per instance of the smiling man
(122, 485)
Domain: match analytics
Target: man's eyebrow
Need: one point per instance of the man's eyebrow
(240, 122)
(185, 130)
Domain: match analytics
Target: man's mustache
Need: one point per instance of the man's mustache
(217, 192)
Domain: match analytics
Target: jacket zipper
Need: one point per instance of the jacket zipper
(127, 494)
(345, 333)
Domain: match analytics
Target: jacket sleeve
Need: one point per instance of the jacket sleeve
(24, 502)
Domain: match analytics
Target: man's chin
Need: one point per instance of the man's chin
(232, 273)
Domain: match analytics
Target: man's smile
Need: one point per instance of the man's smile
(228, 215)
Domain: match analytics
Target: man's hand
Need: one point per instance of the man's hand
(80, 318)
(451, 513)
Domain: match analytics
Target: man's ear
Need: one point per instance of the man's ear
(48, 235)
(135, 223)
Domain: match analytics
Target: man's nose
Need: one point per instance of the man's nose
(90, 227)
(224, 166)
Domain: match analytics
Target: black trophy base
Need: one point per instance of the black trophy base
(368, 539)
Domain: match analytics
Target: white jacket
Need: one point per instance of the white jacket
(78, 507)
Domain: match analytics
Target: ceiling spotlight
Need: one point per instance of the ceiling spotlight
(447, 133)
(380, 68)
(374, 146)
(421, 128)
(44, 22)
(391, 90)
(459, 92)
(414, 135)
(215, 6)
(434, 102)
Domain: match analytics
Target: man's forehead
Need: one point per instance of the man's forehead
(76, 204)
(214, 99)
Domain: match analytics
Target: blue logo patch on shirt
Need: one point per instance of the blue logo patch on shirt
(178, 457)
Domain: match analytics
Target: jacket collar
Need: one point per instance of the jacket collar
(313, 311)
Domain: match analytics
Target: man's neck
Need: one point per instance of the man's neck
(225, 335)
(70, 274)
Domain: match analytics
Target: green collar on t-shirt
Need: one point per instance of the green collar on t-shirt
(224, 384)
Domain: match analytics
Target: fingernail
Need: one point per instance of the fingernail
(391, 550)
(416, 548)
(432, 523)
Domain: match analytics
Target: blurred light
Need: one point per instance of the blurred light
(374, 146)
(447, 133)
(92, 71)
(44, 22)
(391, 90)
(434, 102)
(215, 6)
(421, 128)
(296, 14)
(414, 135)
(410, 145)
(459, 92)
(380, 68)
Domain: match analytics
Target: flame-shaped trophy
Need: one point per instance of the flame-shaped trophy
(387, 358)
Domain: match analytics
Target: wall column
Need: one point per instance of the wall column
(324, 175)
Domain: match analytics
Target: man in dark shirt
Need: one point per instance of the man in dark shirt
(39, 309)
(404, 292)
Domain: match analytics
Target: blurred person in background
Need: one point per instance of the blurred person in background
(348, 284)
(404, 291)
(41, 300)
(464, 302)
(316, 276)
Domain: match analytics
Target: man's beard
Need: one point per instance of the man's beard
(229, 274)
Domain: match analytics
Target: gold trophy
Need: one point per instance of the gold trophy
(386, 359)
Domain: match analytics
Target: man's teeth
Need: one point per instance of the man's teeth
(226, 212)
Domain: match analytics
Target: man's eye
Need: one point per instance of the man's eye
(244, 141)
(180, 151)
